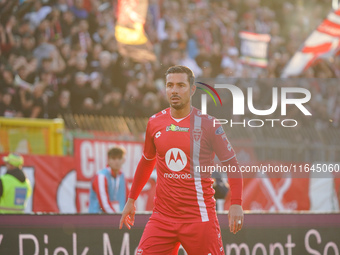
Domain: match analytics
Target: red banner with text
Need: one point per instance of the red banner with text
(61, 184)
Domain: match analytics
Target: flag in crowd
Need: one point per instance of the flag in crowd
(254, 48)
(130, 34)
(323, 43)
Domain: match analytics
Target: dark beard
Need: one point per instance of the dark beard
(178, 106)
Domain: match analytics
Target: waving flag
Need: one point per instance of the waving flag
(129, 30)
(324, 42)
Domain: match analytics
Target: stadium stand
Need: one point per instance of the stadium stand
(61, 57)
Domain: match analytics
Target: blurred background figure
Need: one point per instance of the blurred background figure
(221, 188)
(108, 192)
(15, 188)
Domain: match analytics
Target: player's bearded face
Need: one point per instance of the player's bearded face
(178, 90)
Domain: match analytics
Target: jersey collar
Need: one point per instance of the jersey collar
(179, 120)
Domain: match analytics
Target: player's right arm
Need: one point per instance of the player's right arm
(128, 214)
(142, 175)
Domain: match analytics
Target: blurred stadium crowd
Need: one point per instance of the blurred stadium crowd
(61, 56)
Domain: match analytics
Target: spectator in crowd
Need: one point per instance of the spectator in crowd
(97, 94)
(7, 79)
(108, 192)
(95, 55)
(38, 104)
(26, 102)
(7, 107)
(28, 44)
(67, 24)
(79, 91)
(78, 9)
(88, 107)
(150, 104)
(39, 14)
(7, 41)
(44, 48)
(221, 188)
(82, 38)
(113, 103)
(231, 60)
(62, 106)
(105, 69)
(15, 188)
(132, 99)
(80, 65)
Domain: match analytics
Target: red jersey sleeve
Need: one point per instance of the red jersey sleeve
(235, 181)
(227, 156)
(145, 165)
(149, 152)
(142, 175)
(220, 144)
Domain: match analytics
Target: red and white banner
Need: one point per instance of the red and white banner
(287, 192)
(61, 184)
(254, 48)
(324, 42)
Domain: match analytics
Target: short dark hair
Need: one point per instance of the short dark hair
(116, 152)
(182, 69)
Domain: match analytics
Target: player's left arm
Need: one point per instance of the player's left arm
(142, 175)
(226, 155)
(235, 180)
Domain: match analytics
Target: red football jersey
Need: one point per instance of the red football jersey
(183, 147)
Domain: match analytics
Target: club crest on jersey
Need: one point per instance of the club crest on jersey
(139, 252)
(158, 134)
(175, 159)
(219, 131)
(175, 128)
(224, 137)
(197, 134)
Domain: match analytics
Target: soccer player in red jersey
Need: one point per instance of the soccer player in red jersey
(182, 141)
